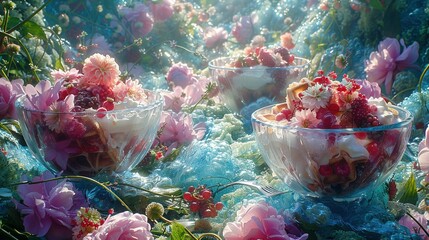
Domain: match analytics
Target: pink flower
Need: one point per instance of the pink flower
(49, 207)
(412, 225)
(43, 95)
(100, 70)
(214, 37)
(125, 225)
(58, 117)
(369, 89)
(9, 92)
(58, 151)
(178, 129)
(258, 221)
(243, 29)
(99, 44)
(139, 18)
(180, 75)
(71, 75)
(305, 118)
(162, 10)
(383, 65)
(287, 41)
(173, 100)
(316, 96)
(423, 156)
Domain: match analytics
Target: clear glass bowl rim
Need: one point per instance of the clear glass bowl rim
(156, 102)
(216, 67)
(404, 122)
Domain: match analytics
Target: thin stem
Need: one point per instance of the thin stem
(5, 19)
(209, 235)
(10, 64)
(79, 178)
(148, 191)
(28, 18)
(9, 235)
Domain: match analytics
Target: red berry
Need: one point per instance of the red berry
(191, 189)
(188, 197)
(372, 148)
(207, 194)
(280, 116)
(101, 112)
(361, 135)
(325, 170)
(109, 105)
(288, 113)
(194, 207)
(341, 168)
(218, 206)
(111, 211)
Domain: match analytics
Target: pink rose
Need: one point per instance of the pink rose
(125, 225)
(9, 92)
(214, 37)
(180, 75)
(162, 10)
(258, 221)
(243, 29)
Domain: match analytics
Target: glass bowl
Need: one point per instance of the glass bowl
(91, 143)
(335, 163)
(241, 86)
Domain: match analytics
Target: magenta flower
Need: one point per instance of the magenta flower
(71, 75)
(369, 89)
(58, 152)
(178, 129)
(214, 37)
(243, 29)
(100, 70)
(125, 225)
(384, 64)
(139, 18)
(49, 207)
(162, 10)
(180, 75)
(43, 95)
(412, 225)
(258, 221)
(9, 92)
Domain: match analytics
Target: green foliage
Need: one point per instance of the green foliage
(178, 232)
(407, 193)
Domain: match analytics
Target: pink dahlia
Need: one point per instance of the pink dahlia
(100, 70)
(180, 75)
(9, 92)
(162, 10)
(125, 225)
(49, 207)
(384, 64)
(59, 115)
(214, 37)
(71, 75)
(258, 221)
(243, 29)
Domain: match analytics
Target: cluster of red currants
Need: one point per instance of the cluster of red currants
(201, 201)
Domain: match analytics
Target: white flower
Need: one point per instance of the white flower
(316, 97)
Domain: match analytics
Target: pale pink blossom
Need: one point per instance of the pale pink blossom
(139, 18)
(243, 29)
(173, 100)
(369, 89)
(120, 91)
(178, 129)
(286, 40)
(9, 92)
(100, 70)
(162, 10)
(125, 225)
(49, 207)
(180, 74)
(315, 97)
(71, 75)
(305, 118)
(43, 95)
(258, 221)
(413, 226)
(214, 37)
(384, 64)
(423, 155)
(59, 115)
(99, 44)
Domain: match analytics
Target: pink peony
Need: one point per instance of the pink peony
(383, 65)
(43, 95)
(9, 92)
(180, 75)
(369, 89)
(125, 225)
(49, 207)
(258, 221)
(178, 129)
(214, 37)
(100, 70)
(162, 10)
(413, 226)
(139, 18)
(243, 29)
(71, 75)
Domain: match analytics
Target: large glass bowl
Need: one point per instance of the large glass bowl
(335, 163)
(241, 86)
(92, 143)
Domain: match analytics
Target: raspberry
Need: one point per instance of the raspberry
(102, 92)
(360, 111)
(267, 57)
(86, 99)
(287, 113)
(284, 53)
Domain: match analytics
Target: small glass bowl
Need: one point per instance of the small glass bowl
(241, 86)
(335, 163)
(91, 144)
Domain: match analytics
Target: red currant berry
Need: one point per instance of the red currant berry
(219, 206)
(372, 148)
(361, 135)
(188, 197)
(191, 189)
(206, 194)
(194, 207)
(101, 112)
(109, 105)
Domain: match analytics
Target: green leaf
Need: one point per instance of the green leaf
(178, 232)
(408, 192)
(376, 4)
(33, 29)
